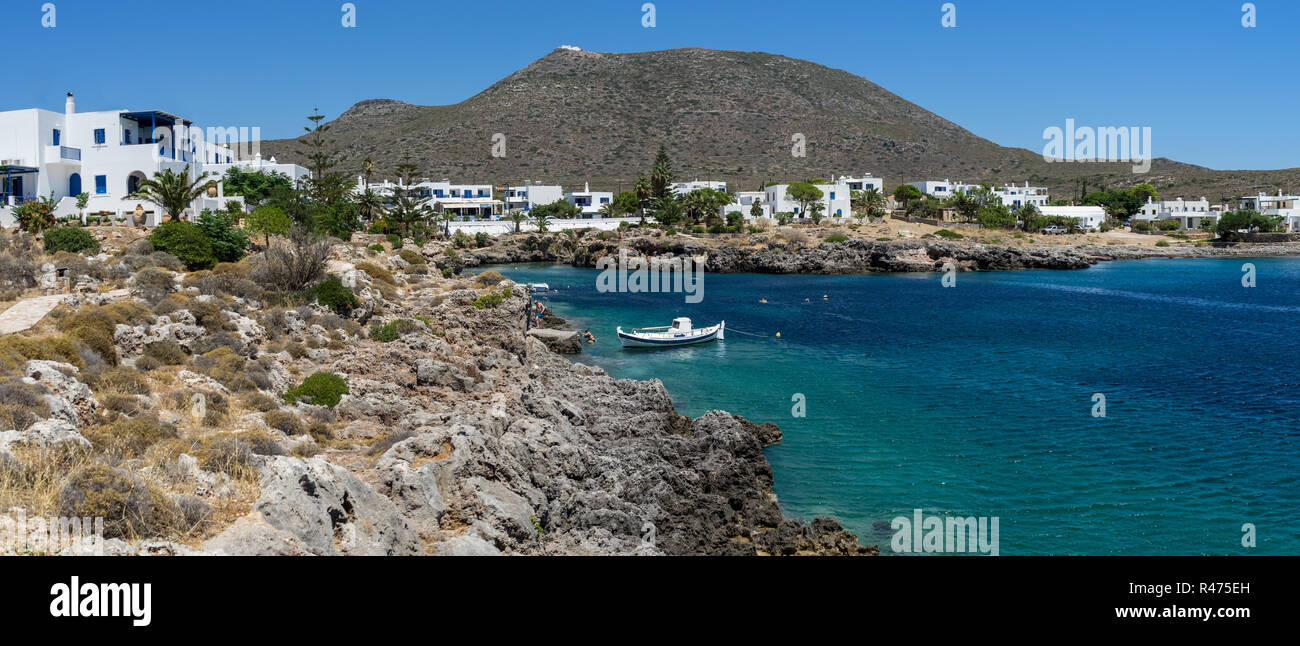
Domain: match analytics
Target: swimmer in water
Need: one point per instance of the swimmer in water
(762, 300)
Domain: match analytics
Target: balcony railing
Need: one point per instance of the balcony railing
(70, 153)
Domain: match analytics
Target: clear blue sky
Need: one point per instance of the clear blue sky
(1213, 92)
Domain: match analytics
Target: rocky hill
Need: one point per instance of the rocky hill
(575, 116)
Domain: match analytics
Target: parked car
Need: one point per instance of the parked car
(1053, 230)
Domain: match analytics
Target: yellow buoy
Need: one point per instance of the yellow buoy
(778, 335)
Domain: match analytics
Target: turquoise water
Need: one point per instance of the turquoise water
(977, 400)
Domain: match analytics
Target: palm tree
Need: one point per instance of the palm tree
(446, 218)
(642, 189)
(541, 219)
(372, 205)
(518, 217)
(607, 211)
(174, 192)
(367, 169)
(408, 208)
(873, 201)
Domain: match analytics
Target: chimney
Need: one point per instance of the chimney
(586, 187)
(69, 106)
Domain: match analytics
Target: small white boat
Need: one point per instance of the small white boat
(679, 333)
(537, 288)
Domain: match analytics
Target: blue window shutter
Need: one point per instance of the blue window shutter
(56, 136)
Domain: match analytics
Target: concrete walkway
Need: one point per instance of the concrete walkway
(26, 313)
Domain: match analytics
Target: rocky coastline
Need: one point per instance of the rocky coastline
(773, 256)
(458, 433)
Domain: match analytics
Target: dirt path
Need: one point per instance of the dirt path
(26, 313)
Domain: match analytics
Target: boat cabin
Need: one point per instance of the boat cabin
(682, 324)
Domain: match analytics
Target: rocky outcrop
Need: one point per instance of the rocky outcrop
(561, 341)
(489, 442)
(863, 256)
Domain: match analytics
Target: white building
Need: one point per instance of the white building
(524, 198)
(743, 201)
(682, 188)
(1010, 195)
(1286, 207)
(105, 154)
(467, 201)
(862, 183)
(1089, 217)
(294, 172)
(835, 200)
(589, 201)
(1189, 213)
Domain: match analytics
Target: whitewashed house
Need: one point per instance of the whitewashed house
(1286, 207)
(105, 154)
(1189, 213)
(589, 201)
(682, 188)
(1089, 217)
(743, 201)
(835, 200)
(1010, 195)
(862, 183)
(524, 198)
(467, 201)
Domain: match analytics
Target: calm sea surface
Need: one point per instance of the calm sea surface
(978, 400)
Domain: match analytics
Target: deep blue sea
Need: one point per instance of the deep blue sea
(978, 399)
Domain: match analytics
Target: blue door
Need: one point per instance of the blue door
(74, 185)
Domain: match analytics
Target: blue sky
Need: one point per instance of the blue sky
(1213, 92)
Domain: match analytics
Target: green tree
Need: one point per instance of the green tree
(186, 241)
(756, 209)
(1233, 223)
(174, 192)
(229, 243)
(252, 185)
(626, 202)
(371, 205)
(267, 221)
(804, 193)
(704, 203)
(82, 200)
(541, 218)
(518, 218)
(559, 209)
(641, 187)
(661, 175)
(906, 194)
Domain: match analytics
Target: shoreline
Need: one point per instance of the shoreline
(858, 256)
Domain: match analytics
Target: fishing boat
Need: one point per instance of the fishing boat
(679, 333)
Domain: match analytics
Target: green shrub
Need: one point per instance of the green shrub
(229, 243)
(284, 421)
(411, 257)
(377, 248)
(489, 278)
(332, 294)
(129, 507)
(377, 272)
(130, 437)
(837, 238)
(1162, 243)
(187, 242)
(951, 235)
(491, 300)
(394, 330)
(394, 240)
(322, 389)
(70, 239)
(166, 353)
